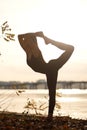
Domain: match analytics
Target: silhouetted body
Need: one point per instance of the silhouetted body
(35, 60)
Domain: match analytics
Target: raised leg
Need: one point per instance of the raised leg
(68, 50)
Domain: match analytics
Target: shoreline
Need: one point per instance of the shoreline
(17, 121)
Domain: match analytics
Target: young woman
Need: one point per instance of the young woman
(35, 60)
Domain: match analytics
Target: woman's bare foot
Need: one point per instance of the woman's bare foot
(46, 40)
(50, 117)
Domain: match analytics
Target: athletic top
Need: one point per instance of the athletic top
(37, 64)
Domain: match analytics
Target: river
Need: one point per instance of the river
(73, 102)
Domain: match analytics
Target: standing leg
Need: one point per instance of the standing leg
(51, 82)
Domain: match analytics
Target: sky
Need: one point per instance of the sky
(61, 20)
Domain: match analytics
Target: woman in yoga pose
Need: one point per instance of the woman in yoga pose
(35, 60)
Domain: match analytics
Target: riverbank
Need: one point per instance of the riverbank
(14, 121)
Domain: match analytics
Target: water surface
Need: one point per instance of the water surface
(73, 102)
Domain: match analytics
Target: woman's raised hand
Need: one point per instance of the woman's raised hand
(39, 34)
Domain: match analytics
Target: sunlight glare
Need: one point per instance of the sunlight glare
(68, 99)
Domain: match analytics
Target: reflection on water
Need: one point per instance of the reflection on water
(73, 101)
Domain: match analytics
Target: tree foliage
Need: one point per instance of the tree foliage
(6, 32)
